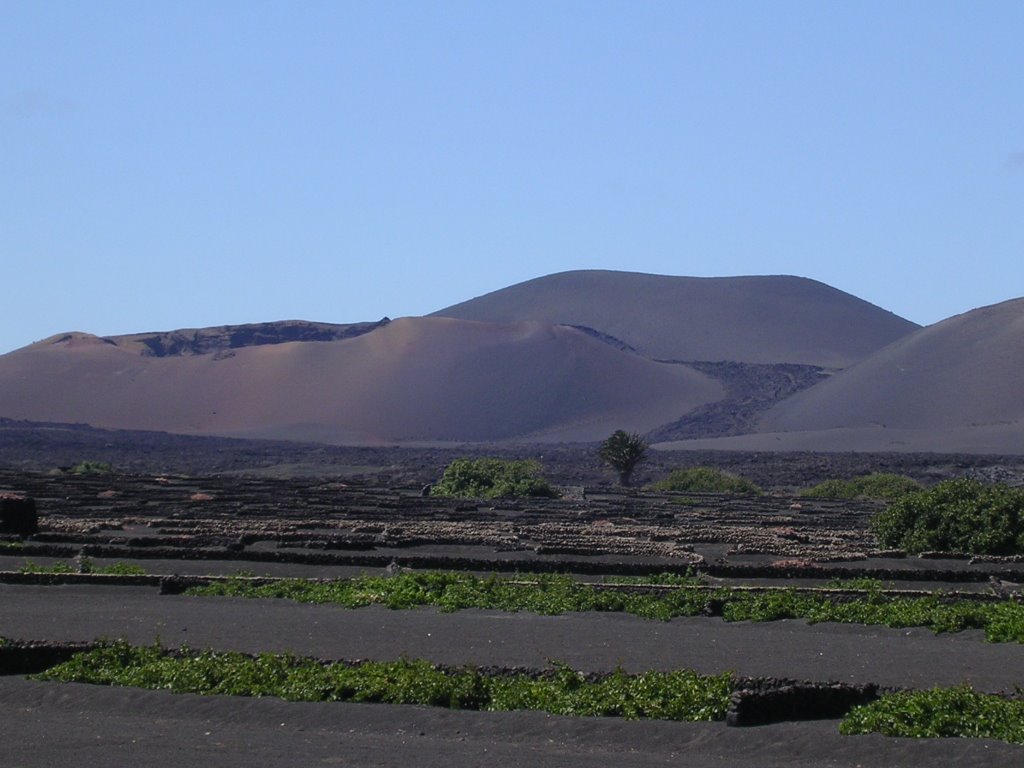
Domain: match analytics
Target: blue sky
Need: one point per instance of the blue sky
(182, 164)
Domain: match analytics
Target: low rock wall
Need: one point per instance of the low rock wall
(762, 701)
(29, 658)
(18, 516)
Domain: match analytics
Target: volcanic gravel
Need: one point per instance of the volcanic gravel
(322, 527)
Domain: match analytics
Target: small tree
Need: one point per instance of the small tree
(622, 452)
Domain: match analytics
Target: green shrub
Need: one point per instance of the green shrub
(31, 566)
(544, 594)
(955, 516)
(92, 468)
(85, 566)
(675, 695)
(878, 485)
(489, 478)
(705, 480)
(939, 713)
(118, 569)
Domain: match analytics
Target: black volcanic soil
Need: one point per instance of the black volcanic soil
(592, 642)
(46, 447)
(59, 725)
(341, 513)
(55, 724)
(750, 390)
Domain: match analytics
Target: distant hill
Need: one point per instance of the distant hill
(412, 380)
(957, 385)
(743, 363)
(772, 319)
(967, 370)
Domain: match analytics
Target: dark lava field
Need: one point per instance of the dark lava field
(189, 510)
(252, 522)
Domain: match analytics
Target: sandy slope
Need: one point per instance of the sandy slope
(1002, 439)
(769, 319)
(414, 379)
(964, 371)
(954, 386)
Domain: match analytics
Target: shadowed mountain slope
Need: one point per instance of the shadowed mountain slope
(414, 379)
(955, 386)
(964, 371)
(773, 319)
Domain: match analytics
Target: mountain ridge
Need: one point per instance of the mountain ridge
(760, 319)
(648, 353)
(222, 338)
(954, 386)
(413, 379)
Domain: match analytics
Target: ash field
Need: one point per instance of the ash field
(276, 510)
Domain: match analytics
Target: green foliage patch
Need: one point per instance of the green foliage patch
(87, 566)
(879, 485)
(705, 480)
(964, 516)
(31, 566)
(448, 591)
(1002, 621)
(92, 468)
(489, 478)
(858, 583)
(939, 713)
(676, 695)
(115, 569)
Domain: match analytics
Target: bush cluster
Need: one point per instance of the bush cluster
(705, 480)
(86, 566)
(675, 695)
(879, 485)
(92, 468)
(449, 591)
(489, 478)
(940, 713)
(964, 516)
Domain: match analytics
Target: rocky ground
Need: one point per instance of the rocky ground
(333, 525)
(48, 447)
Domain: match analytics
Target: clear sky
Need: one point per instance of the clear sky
(191, 163)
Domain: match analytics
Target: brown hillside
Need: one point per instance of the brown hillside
(773, 319)
(954, 386)
(415, 379)
(965, 371)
